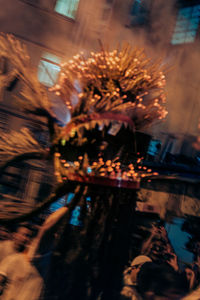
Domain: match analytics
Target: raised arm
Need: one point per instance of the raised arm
(54, 218)
(147, 243)
(46, 232)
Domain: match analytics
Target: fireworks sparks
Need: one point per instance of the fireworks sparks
(110, 169)
(122, 81)
(122, 86)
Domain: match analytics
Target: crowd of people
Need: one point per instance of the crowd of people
(23, 261)
(156, 274)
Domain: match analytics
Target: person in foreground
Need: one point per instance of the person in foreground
(19, 277)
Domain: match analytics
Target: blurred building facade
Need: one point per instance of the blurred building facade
(171, 30)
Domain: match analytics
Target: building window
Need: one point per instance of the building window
(67, 8)
(186, 25)
(138, 13)
(48, 69)
(136, 7)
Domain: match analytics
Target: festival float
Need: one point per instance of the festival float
(96, 155)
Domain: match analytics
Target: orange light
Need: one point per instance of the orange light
(108, 162)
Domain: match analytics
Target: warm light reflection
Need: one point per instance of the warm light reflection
(109, 169)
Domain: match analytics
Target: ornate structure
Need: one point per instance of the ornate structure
(119, 93)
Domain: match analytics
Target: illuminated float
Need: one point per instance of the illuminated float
(95, 154)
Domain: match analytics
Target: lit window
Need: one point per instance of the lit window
(67, 8)
(48, 69)
(186, 25)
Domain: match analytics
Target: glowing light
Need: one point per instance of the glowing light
(63, 142)
(57, 154)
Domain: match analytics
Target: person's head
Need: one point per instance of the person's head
(160, 282)
(22, 237)
(136, 264)
(191, 276)
(157, 250)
